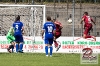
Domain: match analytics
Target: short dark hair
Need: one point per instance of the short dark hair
(86, 13)
(48, 18)
(17, 18)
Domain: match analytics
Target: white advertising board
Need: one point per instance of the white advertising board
(68, 44)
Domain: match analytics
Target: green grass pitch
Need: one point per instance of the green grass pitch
(39, 59)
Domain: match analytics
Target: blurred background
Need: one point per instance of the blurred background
(62, 10)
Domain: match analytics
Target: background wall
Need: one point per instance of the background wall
(62, 10)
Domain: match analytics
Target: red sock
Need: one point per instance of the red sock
(56, 44)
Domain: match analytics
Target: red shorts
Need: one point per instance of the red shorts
(87, 29)
(58, 34)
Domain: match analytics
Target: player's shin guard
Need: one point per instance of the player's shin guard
(17, 47)
(51, 49)
(21, 47)
(46, 50)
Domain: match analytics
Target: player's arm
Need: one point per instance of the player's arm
(23, 31)
(93, 21)
(82, 21)
(43, 30)
(54, 32)
(11, 31)
(42, 33)
(61, 26)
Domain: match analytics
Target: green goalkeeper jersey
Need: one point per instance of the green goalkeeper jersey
(10, 35)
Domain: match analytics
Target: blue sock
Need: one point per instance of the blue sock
(46, 50)
(21, 47)
(51, 48)
(17, 47)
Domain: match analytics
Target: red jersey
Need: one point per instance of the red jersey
(58, 26)
(87, 20)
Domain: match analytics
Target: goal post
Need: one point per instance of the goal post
(33, 17)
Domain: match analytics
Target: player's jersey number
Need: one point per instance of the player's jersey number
(16, 26)
(50, 28)
(89, 19)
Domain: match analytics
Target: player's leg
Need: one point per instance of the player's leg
(50, 46)
(55, 42)
(46, 46)
(21, 44)
(56, 36)
(11, 47)
(57, 45)
(21, 47)
(17, 47)
(92, 30)
(13, 44)
(11, 40)
(86, 35)
(86, 31)
(17, 42)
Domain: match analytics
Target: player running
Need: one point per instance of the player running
(88, 25)
(18, 31)
(58, 33)
(10, 37)
(49, 30)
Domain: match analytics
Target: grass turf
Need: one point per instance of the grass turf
(39, 59)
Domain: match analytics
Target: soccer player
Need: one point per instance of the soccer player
(18, 31)
(87, 25)
(49, 30)
(10, 37)
(58, 33)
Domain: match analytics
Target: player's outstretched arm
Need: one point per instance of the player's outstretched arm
(23, 31)
(94, 22)
(82, 21)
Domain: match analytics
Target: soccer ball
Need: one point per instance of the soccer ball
(69, 20)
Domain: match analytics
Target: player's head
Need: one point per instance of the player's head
(85, 13)
(48, 18)
(54, 20)
(17, 18)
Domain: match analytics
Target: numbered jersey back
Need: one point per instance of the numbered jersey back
(87, 19)
(49, 27)
(18, 27)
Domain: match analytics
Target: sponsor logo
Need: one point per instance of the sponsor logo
(88, 57)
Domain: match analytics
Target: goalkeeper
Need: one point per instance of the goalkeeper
(10, 37)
